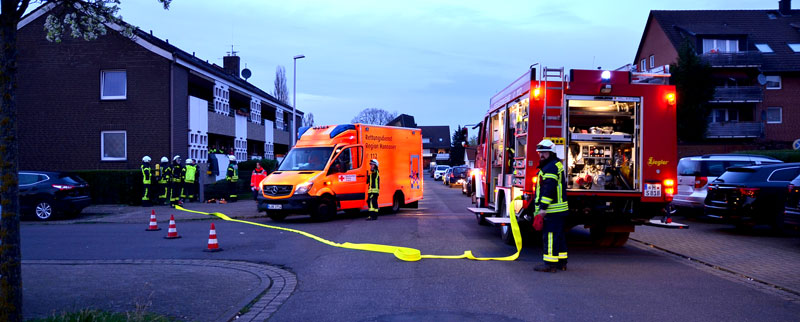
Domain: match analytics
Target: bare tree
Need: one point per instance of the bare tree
(280, 92)
(80, 19)
(374, 116)
(308, 119)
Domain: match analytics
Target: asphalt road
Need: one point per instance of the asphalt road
(631, 283)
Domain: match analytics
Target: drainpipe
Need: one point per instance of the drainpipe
(171, 107)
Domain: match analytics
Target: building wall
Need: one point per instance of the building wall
(180, 114)
(60, 112)
(786, 98)
(657, 44)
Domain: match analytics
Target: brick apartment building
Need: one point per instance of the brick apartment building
(755, 57)
(104, 104)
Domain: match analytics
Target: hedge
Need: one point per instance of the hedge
(783, 155)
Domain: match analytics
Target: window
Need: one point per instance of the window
(720, 45)
(113, 85)
(764, 48)
(426, 140)
(720, 115)
(113, 146)
(642, 65)
(774, 115)
(652, 61)
(795, 47)
(773, 82)
(783, 175)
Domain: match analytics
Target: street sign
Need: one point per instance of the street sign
(796, 144)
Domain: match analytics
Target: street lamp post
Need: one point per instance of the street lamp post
(294, 99)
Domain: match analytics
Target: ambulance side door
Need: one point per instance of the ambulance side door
(348, 174)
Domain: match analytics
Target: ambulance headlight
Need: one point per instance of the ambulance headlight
(303, 188)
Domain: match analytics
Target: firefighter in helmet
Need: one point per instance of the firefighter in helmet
(147, 177)
(550, 203)
(373, 189)
(164, 175)
(176, 184)
(232, 177)
(190, 180)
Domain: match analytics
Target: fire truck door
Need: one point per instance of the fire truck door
(348, 177)
(414, 173)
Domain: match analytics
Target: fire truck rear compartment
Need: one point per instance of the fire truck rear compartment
(603, 144)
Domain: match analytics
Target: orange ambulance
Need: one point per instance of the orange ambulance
(326, 171)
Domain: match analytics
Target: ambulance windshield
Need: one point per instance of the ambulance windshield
(306, 159)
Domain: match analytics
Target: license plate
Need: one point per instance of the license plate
(274, 206)
(652, 190)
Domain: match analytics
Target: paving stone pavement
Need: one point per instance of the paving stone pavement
(219, 289)
(759, 254)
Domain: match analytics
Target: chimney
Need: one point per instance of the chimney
(785, 7)
(230, 64)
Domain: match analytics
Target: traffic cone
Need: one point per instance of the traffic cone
(153, 224)
(172, 233)
(213, 246)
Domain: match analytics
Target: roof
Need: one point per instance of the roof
(403, 120)
(146, 40)
(439, 136)
(756, 26)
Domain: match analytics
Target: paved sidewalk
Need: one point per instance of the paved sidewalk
(136, 214)
(188, 290)
(758, 254)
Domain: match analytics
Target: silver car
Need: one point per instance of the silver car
(694, 174)
(440, 169)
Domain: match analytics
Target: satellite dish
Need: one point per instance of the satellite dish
(762, 79)
(246, 73)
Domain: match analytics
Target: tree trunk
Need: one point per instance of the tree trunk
(10, 257)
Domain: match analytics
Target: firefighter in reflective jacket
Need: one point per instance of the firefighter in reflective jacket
(146, 180)
(373, 189)
(164, 176)
(232, 176)
(550, 203)
(176, 186)
(190, 180)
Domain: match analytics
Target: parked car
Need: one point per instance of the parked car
(457, 175)
(695, 172)
(751, 195)
(791, 213)
(440, 169)
(46, 194)
(466, 188)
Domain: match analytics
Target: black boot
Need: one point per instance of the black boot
(546, 268)
(562, 266)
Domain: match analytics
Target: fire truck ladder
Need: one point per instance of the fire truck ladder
(554, 108)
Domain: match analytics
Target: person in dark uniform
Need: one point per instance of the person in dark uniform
(164, 175)
(147, 177)
(373, 189)
(176, 184)
(232, 176)
(550, 203)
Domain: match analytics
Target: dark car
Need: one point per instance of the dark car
(458, 175)
(791, 214)
(751, 195)
(45, 194)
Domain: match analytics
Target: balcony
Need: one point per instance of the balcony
(738, 94)
(735, 130)
(738, 59)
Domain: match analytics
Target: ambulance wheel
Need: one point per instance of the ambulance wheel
(397, 202)
(326, 209)
(276, 216)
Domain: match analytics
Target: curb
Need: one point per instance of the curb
(276, 284)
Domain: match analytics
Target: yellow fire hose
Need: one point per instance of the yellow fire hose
(402, 253)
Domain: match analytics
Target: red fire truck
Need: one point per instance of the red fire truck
(615, 132)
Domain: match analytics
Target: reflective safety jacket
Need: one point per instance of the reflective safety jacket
(374, 182)
(551, 190)
(157, 172)
(146, 175)
(191, 173)
(233, 173)
(257, 176)
(177, 172)
(166, 174)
